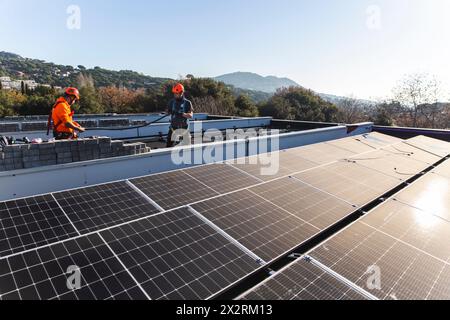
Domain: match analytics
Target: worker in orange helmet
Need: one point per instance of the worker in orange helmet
(180, 109)
(62, 116)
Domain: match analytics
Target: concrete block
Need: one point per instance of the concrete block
(91, 142)
(30, 158)
(64, 154)
(30, 153)
(8, 162)
(50, 163)
(18, 166)
(46, 146)
(34, 126)
(47, 157)
(9, 127)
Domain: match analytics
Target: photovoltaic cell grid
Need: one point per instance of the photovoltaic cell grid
(42, 274)
(32, 222)
(394, 165)
(377, 140)
(302, 280)
(295, 160)
(350, 182)
(178, 256)
(99, 207)
(443, 169)
(309, 204)
(173, 189)
(222, 177)
(431, 193)
(409, 151)
(271, 166)
(321, 153)
(351, 144)
(262, 227)
(435, 146)
(406, 272)
(421, 229)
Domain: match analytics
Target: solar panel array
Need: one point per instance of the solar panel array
(302, 280)
(193, 233)
(404, 242)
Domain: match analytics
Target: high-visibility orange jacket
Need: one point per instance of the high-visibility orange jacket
(61, 114)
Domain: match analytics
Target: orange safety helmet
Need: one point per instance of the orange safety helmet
(178, 88)
(73, 92)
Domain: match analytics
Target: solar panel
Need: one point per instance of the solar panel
(395, 165)
(362, 255)
(222, 178)
(294, 163)
(302, 280)
(431, 193)
(43, 274)
(418, 228)
(176, 255)
(443, 169)
(309, 204)
(378, 140)
(409, 151)
(32, 222)
(350, 182)
(269, 167)
(262, 227)
(321, 153)
(435, 146)
(351, 144)
(173, 189)
(94, 208)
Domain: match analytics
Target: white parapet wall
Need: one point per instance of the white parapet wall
(155, 129)
(25, 183)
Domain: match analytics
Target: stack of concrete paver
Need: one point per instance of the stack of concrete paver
(34, 126)
(9, 127)
(67, 151)
(102, 123)
(30, 126)
(88, 123)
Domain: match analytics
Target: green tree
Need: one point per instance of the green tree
(37, 105)
(90, 102)
(11, 102)
(296, 103)
(245, 107)
(207, 95)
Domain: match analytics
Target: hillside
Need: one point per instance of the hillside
(255, 82)
(43, 72)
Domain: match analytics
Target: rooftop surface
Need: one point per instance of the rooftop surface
(332, 217)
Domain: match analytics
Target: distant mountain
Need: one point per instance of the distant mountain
(255, 82)
(255, 96)
(8, 55)
(264, 87)
(337, 99)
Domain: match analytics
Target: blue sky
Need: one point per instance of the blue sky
(346, 47)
